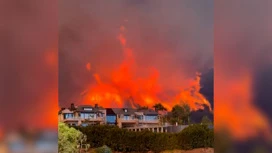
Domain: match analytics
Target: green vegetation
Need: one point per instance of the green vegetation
(194, 136)
(70, 140)
(103, 149)
(206, 121)
(180, 114)
(107, 139)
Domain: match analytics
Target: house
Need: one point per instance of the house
(111, 117)
(125, 117)
(83, 115)
(129, 117)
(147, 117)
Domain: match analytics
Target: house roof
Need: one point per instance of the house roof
(129, 111)
(149, 112)
(93, 109)
(109, 111)
(67, 111)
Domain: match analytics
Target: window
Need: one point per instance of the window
(141, 117)
(111, 119)
(126, 117)
(150, 118)
(87, 115)
(68, 115)
(84, 124)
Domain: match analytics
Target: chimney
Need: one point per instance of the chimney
(72, 106)
(96, 105)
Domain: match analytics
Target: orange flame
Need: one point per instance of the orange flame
(123, 85)
(235, 110)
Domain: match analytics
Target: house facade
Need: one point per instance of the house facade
(83, 115)
(122, 117)
(129, 117)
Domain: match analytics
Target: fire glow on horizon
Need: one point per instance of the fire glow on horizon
(139, 91)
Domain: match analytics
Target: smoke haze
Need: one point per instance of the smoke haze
(175, 37)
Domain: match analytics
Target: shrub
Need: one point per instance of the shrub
(194, 136)
(103, 149)
(70, 139)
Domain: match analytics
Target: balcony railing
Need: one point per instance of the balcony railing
(155, 121)
(72, 119)
(94, 119)
(84, 119)
(128, 120)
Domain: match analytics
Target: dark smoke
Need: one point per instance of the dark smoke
(243, 43)
(28, 31)
(207, 84)
(262, 89)
(174, 36)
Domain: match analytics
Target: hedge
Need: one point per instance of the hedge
(122, 140)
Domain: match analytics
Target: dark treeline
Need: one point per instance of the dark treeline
(194, 136)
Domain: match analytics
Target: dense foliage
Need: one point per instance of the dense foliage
(194, 136)
(103, 149)
(205, 120)
(68, 139)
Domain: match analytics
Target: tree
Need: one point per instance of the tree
(70, 140)
(181, 114)
(206, 120)
(82, 143)
(187, 111)
(143, 108)
(159, 107)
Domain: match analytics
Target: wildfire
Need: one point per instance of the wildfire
(235, 110)
(125, 89)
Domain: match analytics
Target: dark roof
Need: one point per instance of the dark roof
(94, 109)
(109, 111)
(149, 112)
(130, 111)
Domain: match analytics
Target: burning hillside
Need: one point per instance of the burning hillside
(124, 88)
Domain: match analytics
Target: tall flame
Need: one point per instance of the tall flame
(124, 88)
(235, 109)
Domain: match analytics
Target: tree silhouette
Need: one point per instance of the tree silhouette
(206, 120)
(143, 108)
(181, 114)
(159, 107)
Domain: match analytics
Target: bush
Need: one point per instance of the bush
(68, 138)
(194, 136)
(103, 149)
